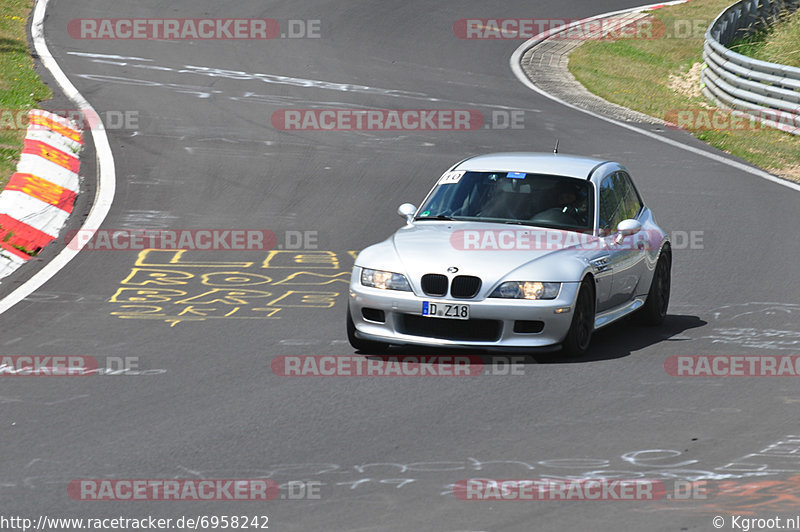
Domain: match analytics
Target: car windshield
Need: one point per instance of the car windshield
(512, 197)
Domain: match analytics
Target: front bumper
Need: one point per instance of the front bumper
(396, 305)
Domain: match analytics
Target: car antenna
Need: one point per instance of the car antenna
(555, 150)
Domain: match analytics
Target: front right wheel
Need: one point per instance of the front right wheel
(580, 331)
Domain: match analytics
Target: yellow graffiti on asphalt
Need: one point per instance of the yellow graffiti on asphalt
(184, 286)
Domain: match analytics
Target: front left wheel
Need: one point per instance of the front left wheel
(580, 331)
(365, 346)
(655, 307)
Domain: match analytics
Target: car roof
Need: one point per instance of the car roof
(534, 163)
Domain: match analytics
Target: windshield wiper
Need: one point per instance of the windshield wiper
(526, 224)
(439, 217)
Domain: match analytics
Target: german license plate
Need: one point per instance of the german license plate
(445, 310)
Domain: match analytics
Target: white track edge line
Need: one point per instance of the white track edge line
(106, 181)
(516, 68)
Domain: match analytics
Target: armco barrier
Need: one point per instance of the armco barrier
(768, 91)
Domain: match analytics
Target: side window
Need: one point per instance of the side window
(630, 198)
(610, 205)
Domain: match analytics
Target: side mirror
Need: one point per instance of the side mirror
(627, 228)
(407, 211)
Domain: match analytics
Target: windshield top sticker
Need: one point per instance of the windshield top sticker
(450, 178)
(516, 175)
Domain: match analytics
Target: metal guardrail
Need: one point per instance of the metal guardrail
(768, 92)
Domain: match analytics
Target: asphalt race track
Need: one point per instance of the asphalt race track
(383, 452)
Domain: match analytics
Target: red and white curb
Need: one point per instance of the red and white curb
(39, 198)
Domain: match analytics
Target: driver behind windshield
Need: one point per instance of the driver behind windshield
(570, 206)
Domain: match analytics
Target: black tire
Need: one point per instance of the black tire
(580, 331)
(655, 308)
(365, 346)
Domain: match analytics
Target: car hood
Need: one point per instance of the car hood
(489, 251)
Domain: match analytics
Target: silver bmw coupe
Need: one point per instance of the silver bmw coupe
(511, 251)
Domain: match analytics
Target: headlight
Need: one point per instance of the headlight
(527, 290)
(384, 280)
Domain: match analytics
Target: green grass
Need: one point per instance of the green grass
(780, 43)
(20, 86)
(655, 77)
